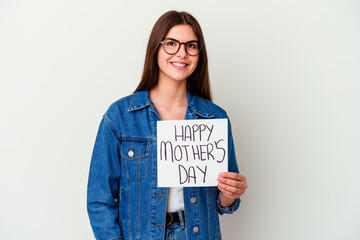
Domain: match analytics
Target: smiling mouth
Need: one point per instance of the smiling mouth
(179, 64)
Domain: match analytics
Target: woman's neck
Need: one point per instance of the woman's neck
(171, 94)
(170, 99)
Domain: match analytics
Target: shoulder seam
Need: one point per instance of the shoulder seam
(206, 106)
(112, 126)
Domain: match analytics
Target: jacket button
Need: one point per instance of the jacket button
(193, 200)
(196, 229)
(131, 153)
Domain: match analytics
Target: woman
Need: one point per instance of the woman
(124, 201)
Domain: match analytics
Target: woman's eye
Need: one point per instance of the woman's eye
(171, 43)
(192, 45)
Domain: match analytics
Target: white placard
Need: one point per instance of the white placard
(191, 152)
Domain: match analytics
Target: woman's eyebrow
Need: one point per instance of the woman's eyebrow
(180, 41)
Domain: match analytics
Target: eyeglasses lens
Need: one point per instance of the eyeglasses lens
(172, 47)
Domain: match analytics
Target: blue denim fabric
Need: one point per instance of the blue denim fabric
(176, 231)
(123, 199)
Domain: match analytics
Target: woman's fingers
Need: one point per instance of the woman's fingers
(232, 184)
(232, 175)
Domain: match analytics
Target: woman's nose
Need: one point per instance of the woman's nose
(182, 51)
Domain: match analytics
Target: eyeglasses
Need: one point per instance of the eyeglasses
(172, 46)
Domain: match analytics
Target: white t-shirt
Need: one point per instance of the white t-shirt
(175, 200)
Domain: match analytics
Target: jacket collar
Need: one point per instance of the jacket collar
(196, 104)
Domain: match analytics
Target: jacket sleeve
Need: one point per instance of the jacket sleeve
(232, 167)
(103, 183)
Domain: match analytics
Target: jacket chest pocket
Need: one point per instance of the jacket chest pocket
(135, 155)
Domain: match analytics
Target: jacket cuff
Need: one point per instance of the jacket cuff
(229, 209)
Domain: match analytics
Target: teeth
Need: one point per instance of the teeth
(179, 64)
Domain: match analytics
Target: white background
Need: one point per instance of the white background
(287, 72)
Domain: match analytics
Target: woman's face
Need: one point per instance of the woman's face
(180, 66)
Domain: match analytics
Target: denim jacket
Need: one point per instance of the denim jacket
(123, 199)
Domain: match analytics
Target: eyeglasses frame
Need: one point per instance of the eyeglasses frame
(180, 43)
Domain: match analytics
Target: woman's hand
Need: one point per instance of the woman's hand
(232, 186)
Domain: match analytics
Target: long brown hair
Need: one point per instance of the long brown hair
(198, 82)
